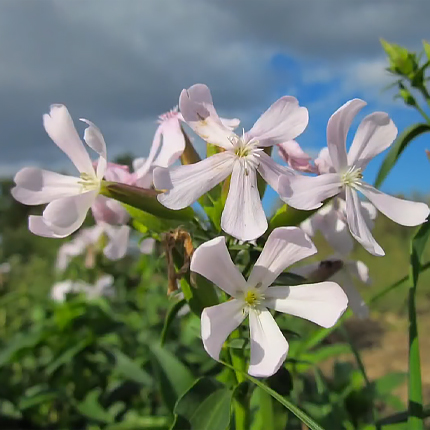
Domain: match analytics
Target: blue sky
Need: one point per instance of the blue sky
(121, 64)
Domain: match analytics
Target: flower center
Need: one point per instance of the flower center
(352, 176)
(246, 151)
(89, 182)
(253, 298)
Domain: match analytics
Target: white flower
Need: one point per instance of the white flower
(345, 172)
(348, 270)
(103, 287)
(68, 197)
(331, 221)
(88, 238)
(322, 303)
(243, 216)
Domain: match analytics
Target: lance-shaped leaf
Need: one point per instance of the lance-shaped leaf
(397, 148)
(173, 377)
(206, 405)
(144, 199)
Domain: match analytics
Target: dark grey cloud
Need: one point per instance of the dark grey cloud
(122, 62)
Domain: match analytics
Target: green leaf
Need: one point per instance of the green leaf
(264, 417)
(144, 221)
(126, 367)
(288, 216)
(91, 408)
(141, 423)
(37, 399)
(170, 317)
(302, 416)
(206, 405)
(19, 342)
(173, 377)
(67, 356)
(387, 383)
(397, 148)
(145, 200)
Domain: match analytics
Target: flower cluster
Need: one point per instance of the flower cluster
(328, 186)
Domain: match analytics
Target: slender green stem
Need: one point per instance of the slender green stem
(240, 405)
(241, 415)
(423, 114)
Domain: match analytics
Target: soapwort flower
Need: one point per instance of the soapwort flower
(344, 272)
(69, 198)
(322, 303)
(375, 133)
(242, 157)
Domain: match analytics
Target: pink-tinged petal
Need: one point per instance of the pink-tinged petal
(212, 260)
(37, 186)
(374, 134)
(355, 301)
(217, 322)
(322, 303)
(292, 154)
(357, 224)
(309, 226)
(404, 212)
(307, 192)
(268, 345)
(243, 216)
(109, 211)
(60, 128)
(104, 286)
(118, 241)
(283, 121)
(358, 270)
(95, 140)
(335, 231)
(143, 166)
(323, 163)
(369, 210)
(191, 181)
(231, 123)
(271, 171)
(161, 178)
(66, 215)
(147, 246)
(284, 247)
(337, 130)
(118, 173)
(38, 226)
(199, 113)
(173, 143)
(70, 249)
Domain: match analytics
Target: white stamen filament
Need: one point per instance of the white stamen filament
(352, 176)
(89, 182)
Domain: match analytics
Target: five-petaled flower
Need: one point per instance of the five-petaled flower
(374, 134)
(69, 198)
(322, 303)
(242, 156)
